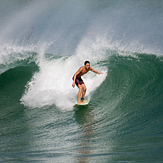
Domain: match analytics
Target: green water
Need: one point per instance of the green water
(43, 43)
(123, 121)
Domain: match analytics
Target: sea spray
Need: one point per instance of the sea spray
(52, 85)
(12, 56)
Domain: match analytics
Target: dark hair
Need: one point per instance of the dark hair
(86, 62)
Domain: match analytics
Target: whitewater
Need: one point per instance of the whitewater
(43, 44)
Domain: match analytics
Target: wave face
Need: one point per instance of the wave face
(123, 121)
(42, 45)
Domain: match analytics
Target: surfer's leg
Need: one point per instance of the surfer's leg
(83, 90)
(79, 93)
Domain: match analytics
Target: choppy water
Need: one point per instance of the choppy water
(124, 121)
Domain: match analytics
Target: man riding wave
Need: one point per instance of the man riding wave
(79, 82)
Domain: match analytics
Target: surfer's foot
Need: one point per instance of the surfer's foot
(80, 102)
(82, 99)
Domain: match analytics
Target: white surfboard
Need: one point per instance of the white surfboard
(83, 104)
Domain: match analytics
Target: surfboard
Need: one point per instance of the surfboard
(84, 103)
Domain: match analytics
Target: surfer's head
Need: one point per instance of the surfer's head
(87, 64)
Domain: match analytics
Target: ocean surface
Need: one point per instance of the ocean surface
(42, 45)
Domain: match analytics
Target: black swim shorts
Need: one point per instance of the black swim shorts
(78, 81)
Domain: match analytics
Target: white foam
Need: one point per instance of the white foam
(52, 85)
(11, 54)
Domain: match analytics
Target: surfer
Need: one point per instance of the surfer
(79, 82)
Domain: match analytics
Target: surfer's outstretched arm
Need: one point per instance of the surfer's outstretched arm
(95, 71)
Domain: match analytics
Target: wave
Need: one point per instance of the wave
(13, 56)
(43, 43)
(129, 101)
(126, 80)
(125, 111)
(132, 80)
(52, 85)
(12, 84)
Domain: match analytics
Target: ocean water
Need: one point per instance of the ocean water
(42, 45)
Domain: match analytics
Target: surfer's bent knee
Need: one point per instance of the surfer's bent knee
(84, 89)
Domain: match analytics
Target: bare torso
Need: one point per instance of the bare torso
(82, 70)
